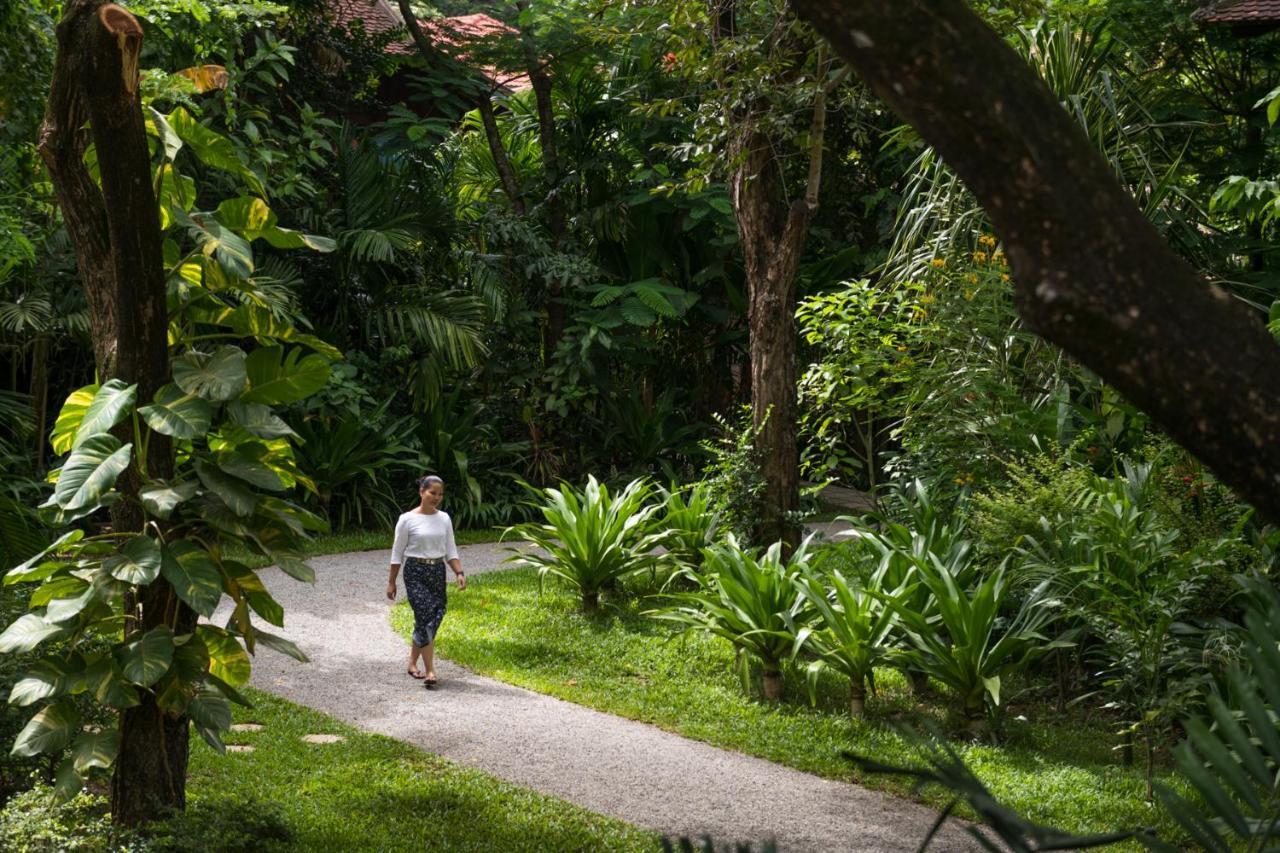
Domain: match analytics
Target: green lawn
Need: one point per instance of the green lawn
(373, 793)
(1060, 771)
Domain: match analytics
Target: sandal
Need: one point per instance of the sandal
(430, 683)
(413, 673)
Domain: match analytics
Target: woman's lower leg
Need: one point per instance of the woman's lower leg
(429, 658)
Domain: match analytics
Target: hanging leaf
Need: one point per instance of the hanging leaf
(68, 423)
(238, 498)
(144, 659)
(137, 563)
(24, 572)
(27, 632)
(90, 472)
(213, 149)
(216, 240)
(68, 607)
(178, 413)
(95, 749)
(194, 576)
(104, 679)
(45, 679)
(276, 378)
(215, 377)
(161, 498)
(227, 658)
(280, 644)
(211, 714)
(49, 730)
(111, 403)
(258, 420)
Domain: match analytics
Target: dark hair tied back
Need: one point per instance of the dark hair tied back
(428, 481)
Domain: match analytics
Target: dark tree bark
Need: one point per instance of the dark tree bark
(1091, 273)
(116, 233)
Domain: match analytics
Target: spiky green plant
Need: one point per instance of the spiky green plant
(591, 539)
(751, 601)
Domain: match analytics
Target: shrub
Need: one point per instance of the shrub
(753, 602)
(734, 483)
(691, 521)
(593, 540)
(33, 822)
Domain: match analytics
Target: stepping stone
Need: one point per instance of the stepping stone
(323, 738)
(239, 747)
(247, 727)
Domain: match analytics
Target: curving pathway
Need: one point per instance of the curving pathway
(630, 770)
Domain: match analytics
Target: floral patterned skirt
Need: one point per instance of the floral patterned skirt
(424, 582)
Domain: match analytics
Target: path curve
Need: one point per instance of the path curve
(619, 767)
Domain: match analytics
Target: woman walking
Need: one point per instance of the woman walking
(423, 545)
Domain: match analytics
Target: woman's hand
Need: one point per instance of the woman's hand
(462, 580)
(391, 591)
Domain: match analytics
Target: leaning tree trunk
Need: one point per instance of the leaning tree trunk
(1091, 273)
(116, 233)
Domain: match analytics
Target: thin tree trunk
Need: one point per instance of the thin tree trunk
(1091, 273)
(116, 233)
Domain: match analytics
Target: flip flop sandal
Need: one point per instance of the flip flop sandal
(412, 674)
(430, 683)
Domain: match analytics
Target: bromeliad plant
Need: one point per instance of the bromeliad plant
(126, 601)
(853, 628)
(969, 646)
(591, 539)
(751, 601)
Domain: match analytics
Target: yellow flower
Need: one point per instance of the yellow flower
(928, 299)
(939, 262)
(986, 240)
(902, 349)
(968, 295)
(998, 257)
(972, 278)
(1004, 276)
(979, 257)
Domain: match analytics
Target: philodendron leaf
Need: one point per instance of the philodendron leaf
(103, 678)
(217, 377)
(258, 420)
(29, 631)
(69, 419)
(194, 576)
(280, 644)
(275, 377)
(227, 658)
(90, 472)
(162, 498)
(137, 563)
(178, 413)
(45, 679)
(211, 713)
(49, 730)
(234, 493)
(112, 402)
(242, 464)
(95, 749)
(24, 571)
(144, 659)
(64, 608)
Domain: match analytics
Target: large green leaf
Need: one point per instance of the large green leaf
(144, 659)
(137, 563)
(275, 377)
(253, 218)
(280, 644)
(49, 730)
(227, 658)
(233, 492)
(228, 248)
(103, 678)
(194, 576)
(215, 377)
(90, 472)
(24, 571)
(211, 714)
(111, 403)
(68, 423)
(44, 679)
(258, 420)
(259, 322)
(69, 606)
(95, 749)
(213, 149)
(27, 632)
(162, 498)
(243, 463)
(178, 413)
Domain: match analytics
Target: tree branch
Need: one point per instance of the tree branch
(1091, 273)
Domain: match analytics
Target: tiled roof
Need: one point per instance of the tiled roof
(1239, 12)
(382, 16)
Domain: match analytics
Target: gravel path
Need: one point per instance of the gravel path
(608, 764)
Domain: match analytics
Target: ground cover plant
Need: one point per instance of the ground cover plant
(1060, 769)
(365, 792)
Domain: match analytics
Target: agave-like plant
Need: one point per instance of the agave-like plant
(591, 539)
(963, 646)
(752, 601)
(691, 519)
(853, 630)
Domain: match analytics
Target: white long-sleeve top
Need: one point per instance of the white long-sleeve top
(429, 536)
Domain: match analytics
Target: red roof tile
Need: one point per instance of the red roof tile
(1239, 12)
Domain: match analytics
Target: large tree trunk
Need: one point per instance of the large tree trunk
(1091, 273)
(116, 233)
